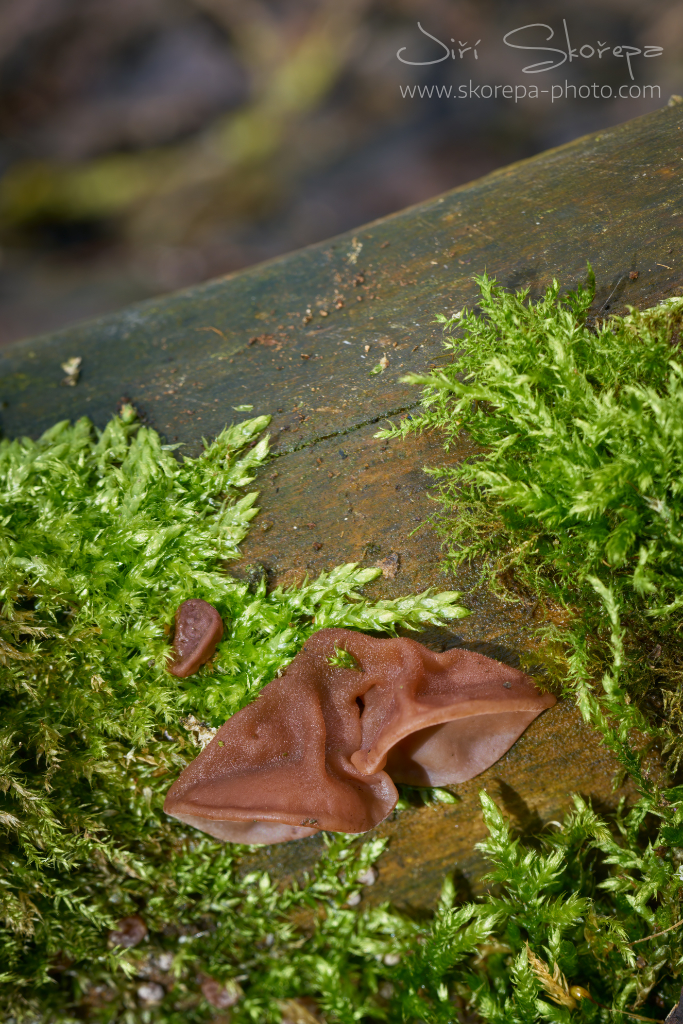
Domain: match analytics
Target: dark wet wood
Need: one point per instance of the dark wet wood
(613, 198)
(298, 336)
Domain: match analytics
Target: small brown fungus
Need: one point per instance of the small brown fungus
(129, 932)
(323, 744)
(198, 628)
(222, 996)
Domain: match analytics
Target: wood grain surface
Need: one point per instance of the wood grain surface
(361, 498)
(297, 337)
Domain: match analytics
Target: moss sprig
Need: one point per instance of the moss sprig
(102, 536)
(574, 501)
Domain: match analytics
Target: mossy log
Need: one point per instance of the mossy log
(298, 337)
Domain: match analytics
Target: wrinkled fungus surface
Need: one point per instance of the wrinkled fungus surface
(198, 628)
(323, 745)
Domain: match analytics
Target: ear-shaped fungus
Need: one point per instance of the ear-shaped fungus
(320, 746)
(198, 628)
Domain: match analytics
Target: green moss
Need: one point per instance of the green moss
(103, 535)
(343, 659)
(575, 502)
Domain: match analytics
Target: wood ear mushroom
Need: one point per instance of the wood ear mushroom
(198, 629)
(323, 745)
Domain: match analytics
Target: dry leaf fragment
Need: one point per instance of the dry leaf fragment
(555, 984)
(389, 565)
(8, 651)
(384, 362)
(266, 339)
(294, 1012)
(201, 733)
(72, 369)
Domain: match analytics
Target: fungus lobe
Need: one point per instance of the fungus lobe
(323, 745)
(198, 628)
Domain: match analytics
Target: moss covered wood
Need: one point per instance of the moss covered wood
(299, 336)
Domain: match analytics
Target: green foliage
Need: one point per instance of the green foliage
(575, 502)
(577, 492)
(102, 536)
(561, 911)
(582, 431)
(343, 659)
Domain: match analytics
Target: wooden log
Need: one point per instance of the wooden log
(298, 336)
(361, 498)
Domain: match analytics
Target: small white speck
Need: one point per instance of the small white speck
(346, 342)
(295, 527)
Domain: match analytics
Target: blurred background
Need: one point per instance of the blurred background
(146, 145)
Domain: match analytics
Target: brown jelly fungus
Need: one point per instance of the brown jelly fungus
(221, 996)
(128, 932)
(323, 745)
(198, 628)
